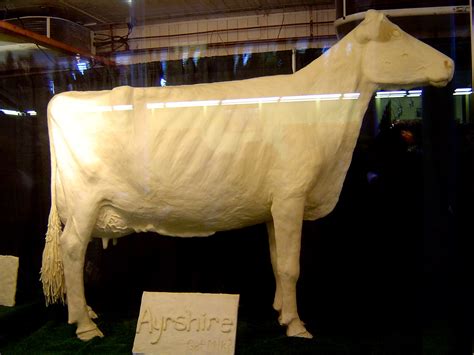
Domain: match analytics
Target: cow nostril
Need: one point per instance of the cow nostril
(448, 64)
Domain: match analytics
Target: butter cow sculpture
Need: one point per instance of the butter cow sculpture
(192, 160)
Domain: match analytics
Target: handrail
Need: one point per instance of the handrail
(417, 11)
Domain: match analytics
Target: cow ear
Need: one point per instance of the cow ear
(370, 28)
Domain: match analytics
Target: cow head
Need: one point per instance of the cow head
(394, 59)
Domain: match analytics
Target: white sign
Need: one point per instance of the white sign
(8, 278)
(186, 323)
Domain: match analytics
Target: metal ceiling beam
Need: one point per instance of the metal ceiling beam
(52, 43)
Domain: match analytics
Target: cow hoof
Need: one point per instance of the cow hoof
(91, 313)
(87, 335)
(282, 323)
(296, 329)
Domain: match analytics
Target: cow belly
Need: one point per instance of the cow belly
(114, 224)
(195, 221)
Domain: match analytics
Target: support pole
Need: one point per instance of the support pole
(293, 59)
(471, 97)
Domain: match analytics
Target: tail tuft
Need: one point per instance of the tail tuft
(52, 270)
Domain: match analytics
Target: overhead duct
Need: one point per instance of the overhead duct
(59, 29)
(50, 32)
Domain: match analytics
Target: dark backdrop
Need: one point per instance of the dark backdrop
(393, 257)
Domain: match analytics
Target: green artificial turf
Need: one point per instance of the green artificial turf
(57, 337)
(254, 336)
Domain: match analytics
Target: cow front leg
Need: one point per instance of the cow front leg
(74, 241)
(273, 257)
(287, 221)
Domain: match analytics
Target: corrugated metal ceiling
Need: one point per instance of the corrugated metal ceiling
(101, 12)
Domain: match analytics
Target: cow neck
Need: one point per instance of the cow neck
(338, 70)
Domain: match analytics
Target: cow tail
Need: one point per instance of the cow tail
(52, 269)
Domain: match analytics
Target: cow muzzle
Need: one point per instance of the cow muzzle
(448, 72)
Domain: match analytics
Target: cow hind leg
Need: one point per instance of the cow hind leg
(287, 222)
(273, 257)
(74, 241)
